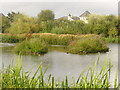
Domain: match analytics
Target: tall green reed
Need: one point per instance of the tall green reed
(14, 76)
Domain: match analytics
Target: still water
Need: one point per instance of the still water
(60, 63)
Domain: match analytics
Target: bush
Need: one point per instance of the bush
(58, 30)
(112, 39)
(33, 46)
(87, 45)
(113, 32)
(11, 38)
(23, 24)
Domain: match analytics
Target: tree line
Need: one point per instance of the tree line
(45, 22)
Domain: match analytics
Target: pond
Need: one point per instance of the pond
(60, 63)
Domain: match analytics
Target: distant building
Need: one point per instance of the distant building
(84, 16)
(70, 17)
(1, 14)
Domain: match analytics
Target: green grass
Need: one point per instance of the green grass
(112, 39)
(87, 45)
(32, 46)
(14, 76)
(76, 44)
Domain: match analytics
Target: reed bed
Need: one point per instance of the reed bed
(76, 44)
(14, 76)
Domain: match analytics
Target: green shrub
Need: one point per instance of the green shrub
(87, 45)
(11, 38)
(33, 46)
(58, 30)
(112, 39)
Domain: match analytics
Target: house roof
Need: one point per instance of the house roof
(66, 18)
(75, 18)
(1, 14)
(85, 14)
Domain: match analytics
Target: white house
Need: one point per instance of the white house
(84, 16)
(70, 17)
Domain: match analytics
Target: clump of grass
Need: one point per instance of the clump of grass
(32, 46)
(87, 45)
(15, 77)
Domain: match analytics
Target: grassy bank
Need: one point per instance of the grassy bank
(89, 43)
(77, 44)
(54, 39)
(14, 76)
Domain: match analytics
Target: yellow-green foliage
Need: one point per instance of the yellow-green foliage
(112, 39)
(61, 39)
(4, 24)
(23, 24)
(113, 32)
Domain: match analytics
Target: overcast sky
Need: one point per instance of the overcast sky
(61, 8)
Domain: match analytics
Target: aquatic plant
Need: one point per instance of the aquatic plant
(32, 46)
(14, 76)
(87, 45)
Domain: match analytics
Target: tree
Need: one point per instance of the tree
(4, 24)
(11, 15)
(46, 15)
(23, 24)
